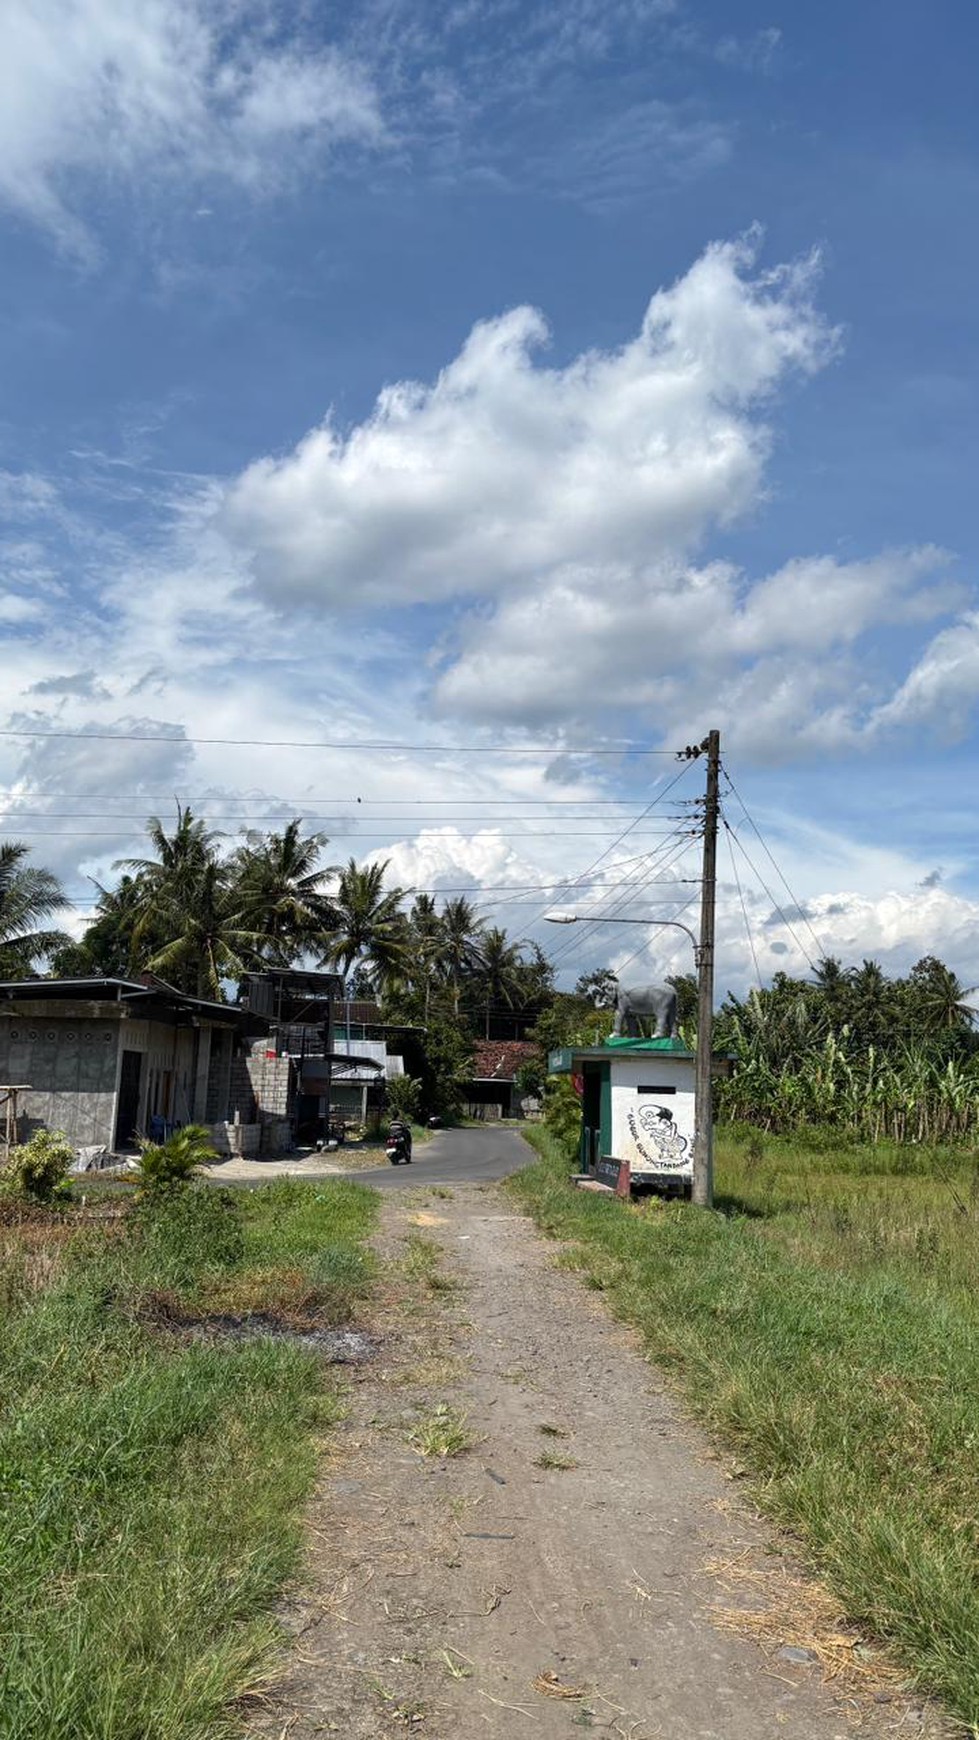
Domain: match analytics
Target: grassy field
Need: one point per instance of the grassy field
(150, 1484)
(826, 1325)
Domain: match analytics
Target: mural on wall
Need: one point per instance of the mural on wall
(658, 1141)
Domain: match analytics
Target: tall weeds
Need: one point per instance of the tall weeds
(908, 1096)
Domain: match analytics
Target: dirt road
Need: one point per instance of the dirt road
(568, 1571)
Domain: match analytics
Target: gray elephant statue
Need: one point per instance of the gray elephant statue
(635, 1004)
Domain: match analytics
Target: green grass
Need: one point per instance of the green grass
(826, 1324)
(150, 1489)
(442, 1433)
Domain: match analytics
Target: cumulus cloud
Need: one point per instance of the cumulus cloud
(572, 508)
(942, 687)
(451, 858)
(178, 88)
(895, 927)
(505, 472)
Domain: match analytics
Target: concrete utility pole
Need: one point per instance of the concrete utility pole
(702, 1190)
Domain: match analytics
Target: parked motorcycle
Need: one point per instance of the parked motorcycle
(398, 1147)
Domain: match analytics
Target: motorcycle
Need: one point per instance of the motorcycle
(398, 1147)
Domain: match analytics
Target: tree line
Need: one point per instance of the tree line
(857, 1051)
(201, 918)
(851, 1048)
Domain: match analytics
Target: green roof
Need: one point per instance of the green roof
(645, 1045)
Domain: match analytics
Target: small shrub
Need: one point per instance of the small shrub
(38, 1169)
(562, 1115)
(404, 1097)
(443, 1433)
(170, 1164)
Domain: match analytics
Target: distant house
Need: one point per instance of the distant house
(316, 1065)
(491, 1092)
(106, 1060)
(358, 1070)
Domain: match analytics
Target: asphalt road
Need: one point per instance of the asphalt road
(454, 1157)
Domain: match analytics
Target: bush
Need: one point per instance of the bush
(404, 1097)
(169, 1165)
(186, 1233)
(36, 1169)
(562, 1115)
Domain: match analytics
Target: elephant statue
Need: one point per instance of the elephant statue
(638, 1003)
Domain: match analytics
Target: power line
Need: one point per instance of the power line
(764, 846)
(532, 889)
(755, 871)
(345, 816)
(624, 748)
(671, 957)
(344, 834)
(17, 796)
(744, 909)
(657, 798)
(641, 879)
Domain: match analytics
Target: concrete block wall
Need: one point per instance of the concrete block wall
(242, 1093)
(235, 1139)
(71, 1067)
(272, 1080)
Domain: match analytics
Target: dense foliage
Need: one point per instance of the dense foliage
(37, 1169)
(857, 1051)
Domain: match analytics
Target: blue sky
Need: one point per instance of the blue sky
(333, 412)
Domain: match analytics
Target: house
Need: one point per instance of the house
(491, 1091)
(315, 1066)
(107, 1059)
(354, 1076)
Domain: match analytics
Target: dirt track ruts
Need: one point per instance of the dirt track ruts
(438, 1592)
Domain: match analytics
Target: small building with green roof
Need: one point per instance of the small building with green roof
(638, 1105)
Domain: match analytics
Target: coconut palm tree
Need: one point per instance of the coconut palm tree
(187, 925)
(501, 977)
(278, 891)
(169, 881)
(426, 948)
(107, 946)
(462, 934)
(369, 926)
(939, 1002)
(27, 897)
(208, 941)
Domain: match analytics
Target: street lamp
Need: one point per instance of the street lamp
(589, 918)
(703, 1182)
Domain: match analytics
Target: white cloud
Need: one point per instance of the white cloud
(571, 507)
(451, 858)
(506, 472)
(179, 88)
(942, 689)
(755, 53)
(894, 927)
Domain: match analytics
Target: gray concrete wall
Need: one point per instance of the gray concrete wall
(70, 1063)
(273, 1081)
(71, 1060)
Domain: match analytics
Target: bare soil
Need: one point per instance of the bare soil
(589, 1562)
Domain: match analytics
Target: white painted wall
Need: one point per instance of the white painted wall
(653, 1130)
